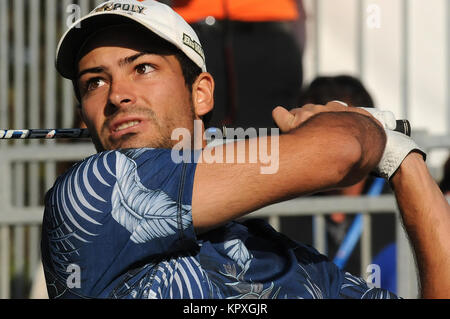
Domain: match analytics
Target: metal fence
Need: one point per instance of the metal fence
(32, 95)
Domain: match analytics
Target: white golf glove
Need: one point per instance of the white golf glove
(398, 146)
(387, 118)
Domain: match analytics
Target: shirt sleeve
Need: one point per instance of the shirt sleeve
(111, 211)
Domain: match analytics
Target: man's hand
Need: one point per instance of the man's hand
(289, 120)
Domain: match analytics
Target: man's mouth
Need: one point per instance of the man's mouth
(126, 125)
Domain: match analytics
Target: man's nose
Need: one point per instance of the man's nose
(121, 93)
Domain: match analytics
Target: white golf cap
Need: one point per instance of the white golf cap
(156, 17)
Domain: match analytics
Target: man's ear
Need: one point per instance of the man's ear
(203, 94)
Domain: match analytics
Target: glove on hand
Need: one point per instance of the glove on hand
(386, 118)
(398, 146)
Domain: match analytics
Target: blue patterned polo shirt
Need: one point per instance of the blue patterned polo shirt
(119, 225)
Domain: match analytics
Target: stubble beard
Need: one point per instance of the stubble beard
(163, 138)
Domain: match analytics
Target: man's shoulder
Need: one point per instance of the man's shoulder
(112, 159)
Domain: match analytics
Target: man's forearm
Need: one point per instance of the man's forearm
(426, 217)
(370, 138)
(330, 150)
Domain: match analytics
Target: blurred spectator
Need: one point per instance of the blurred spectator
(350, 90)
(344, 88)
(445, 182)
(254, 51)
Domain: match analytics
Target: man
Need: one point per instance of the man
(131, 222)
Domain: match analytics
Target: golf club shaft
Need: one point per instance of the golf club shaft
(403, 126)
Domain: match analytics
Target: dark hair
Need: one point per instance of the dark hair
(190, 70)
(344, 88)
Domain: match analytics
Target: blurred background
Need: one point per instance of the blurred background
(263, 54)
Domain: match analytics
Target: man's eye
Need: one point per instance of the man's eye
(94, 84)
(144, 68)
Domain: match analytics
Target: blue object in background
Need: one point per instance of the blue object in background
(355, 230)
(387, 260)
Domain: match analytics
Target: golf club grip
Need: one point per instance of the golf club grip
(403, 126)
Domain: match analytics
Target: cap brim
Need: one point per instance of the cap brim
(74, 38)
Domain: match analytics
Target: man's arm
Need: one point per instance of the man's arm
(332, 147)
(426, 217)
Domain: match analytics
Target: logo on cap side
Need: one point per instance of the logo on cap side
(112, 6)
(194, 45)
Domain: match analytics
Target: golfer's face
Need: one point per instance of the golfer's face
(131, 98)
